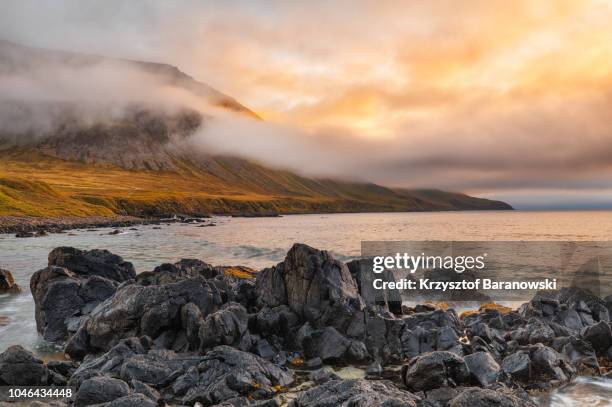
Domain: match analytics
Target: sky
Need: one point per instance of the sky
(510, 100)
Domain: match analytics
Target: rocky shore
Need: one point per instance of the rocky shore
(36, 227)
(192, 334)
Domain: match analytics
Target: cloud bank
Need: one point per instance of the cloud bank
(478, 97)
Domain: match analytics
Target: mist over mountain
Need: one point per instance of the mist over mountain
(64, 113)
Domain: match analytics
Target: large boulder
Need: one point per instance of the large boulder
(435, 369)
(226, 373)
(355, 393)
(73, 284)
(99, 390)
(92, 263)
(151, 310)
(315, 286)
(599, 336)
(18, 367)
(7, 283)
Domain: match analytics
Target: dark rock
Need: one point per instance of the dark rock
(435, 369)
(186, 381)
(374, 369)
(518, 365)
(227, 373)
(483, 367)
(323, 375)
(73, 284)
(151, 310)
(93, 262)
(100, 389)
(18, 367)
(191, 322)
(327, 344)
(226, 326)
(7, 283)
(278, 321)
(64, 367)
(134, 400)
(172, 273)
(355, 393)
(361, 270)
(270, 287)
(549, 363)
(145, 390)
(314, 363)
(599, 336)
(581, 355)
(476, 397)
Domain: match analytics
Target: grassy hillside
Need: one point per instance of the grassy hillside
(35, 184)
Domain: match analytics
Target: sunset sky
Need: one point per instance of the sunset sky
(511, 100)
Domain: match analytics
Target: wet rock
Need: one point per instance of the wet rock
(599, 336)
(18, 367)
(518, 365)
(483, 367)
(355, 393)
(435, 369)
(99, 390)
(7, 283)
(226, 373)
(477, 397)
(580, 354)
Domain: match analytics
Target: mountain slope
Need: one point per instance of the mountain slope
(96, 159)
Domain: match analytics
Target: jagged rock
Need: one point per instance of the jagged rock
(279, 321)
(173, 273)
(327, 343)
(483, 367)
(151, 310)
(435, 369)
(361, 270)
(99, 390)
(191, 322)
(599, 336)
(518, 365)
(18, 367)
(146, 390)
(477, 397)
(7, 283)
(226, 326)
(355, 393)
(548, 362)
(92, 263)
(226, 373)
(318, 288)
(73, 284)
(580, 354)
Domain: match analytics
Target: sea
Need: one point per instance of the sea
(263, 242)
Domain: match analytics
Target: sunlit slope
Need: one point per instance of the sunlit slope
(35, 184)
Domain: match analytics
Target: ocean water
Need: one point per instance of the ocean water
(261, 242)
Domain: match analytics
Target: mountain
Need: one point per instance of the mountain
(67, 156)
